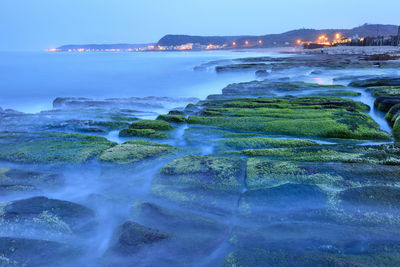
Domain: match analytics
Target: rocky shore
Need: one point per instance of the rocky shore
(300, 166)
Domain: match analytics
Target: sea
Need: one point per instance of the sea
(30, 81)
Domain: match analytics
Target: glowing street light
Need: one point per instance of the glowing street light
(337, 36)
(260, 41)
(234, 43)
(246, 42)
(299, 41)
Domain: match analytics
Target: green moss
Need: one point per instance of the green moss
(387, 81)
(204, 171)
(135, 151)
(383, 154)
(15, 177)
(151, 124)
(172, 118)
(261, 142)
(371, 198)
(148, 129)
(148, 133)
(261, 173)
(336, 93)
(261, 257)
(384, 91)
(396, 128)
(303, 116)
(393, 114)
(323, 127)
(52, 148)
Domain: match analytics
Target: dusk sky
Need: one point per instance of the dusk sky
(41, 24)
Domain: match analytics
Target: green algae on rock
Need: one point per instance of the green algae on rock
(13, 180)
(206, 182)
(385, 81)
(262, 173)
(147, 128)
(135, 151)
(378, 154)
(262, 142)
(172, 118)
(371, 199)
(151, 124)
(147, 133)
(302, 116)
(51, 215)
(264, 258)
(33, 252)
(205, 171)
(51, 147)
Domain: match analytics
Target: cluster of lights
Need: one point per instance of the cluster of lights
(324, 40)
(182, 47)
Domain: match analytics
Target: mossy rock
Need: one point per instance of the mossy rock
(48, 214)
(172, 118)
(388, 154)
(135, 151)
(267, 87)
(14, 180)
(207, 183)
(386, 81)
(240, 67)
(302, 116)
(172, 220)
(263, 173)
(396, 128)
(147, 128)
(385, 103)
(262, 142)
(33, 252)
(205, 171)
(151, 124)
(261, 257)
(371, 199)
(147, 133)
(51, 147)
(281, 200)
(176, 112)
(393, 114)
(384, 91)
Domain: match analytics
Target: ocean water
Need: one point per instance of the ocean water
(29, 82)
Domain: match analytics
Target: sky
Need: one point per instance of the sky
(42, 24)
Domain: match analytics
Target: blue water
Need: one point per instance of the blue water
(30, 81)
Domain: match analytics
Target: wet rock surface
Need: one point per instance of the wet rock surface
(132, 236)
(297, 168)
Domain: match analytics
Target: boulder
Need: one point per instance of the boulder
(132, 236)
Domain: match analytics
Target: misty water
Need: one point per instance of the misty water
(200, 235)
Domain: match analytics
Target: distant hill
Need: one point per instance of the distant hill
(173, 40)
(289, 37)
